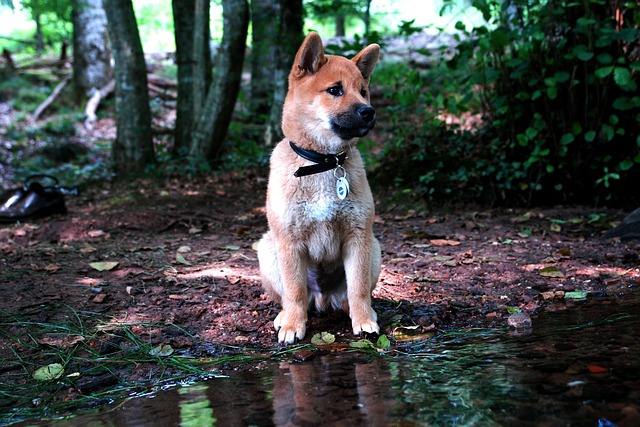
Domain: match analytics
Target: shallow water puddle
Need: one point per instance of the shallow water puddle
(576, 367)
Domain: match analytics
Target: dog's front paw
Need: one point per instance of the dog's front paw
(289, 329)
(370, 327)
(365, 322)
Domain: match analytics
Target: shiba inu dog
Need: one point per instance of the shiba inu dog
(320, 250)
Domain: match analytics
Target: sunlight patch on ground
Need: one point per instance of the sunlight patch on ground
(231, 274)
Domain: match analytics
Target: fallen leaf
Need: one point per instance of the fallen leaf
(525, 233)
(323, 338)
(555, 227)
(95, 233)
(576, 295)
(411, 333)
(551, 272)
(104, 265)
(181, 259)
(52, 268)
(88, 249)
(184, 249)
(362, 344)
(99, 299)
(161, 350)
(520, 219)
(595, 369)
(442, 258)
(195, 230)
(551, 295)
(383, 343)
(61, 341)
(231, 248)
(48, 373)
(444, 242)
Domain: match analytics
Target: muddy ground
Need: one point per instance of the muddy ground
(187, 274)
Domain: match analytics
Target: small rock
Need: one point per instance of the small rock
(519, 320)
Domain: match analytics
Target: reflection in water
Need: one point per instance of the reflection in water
(195, 408)
(579, 367)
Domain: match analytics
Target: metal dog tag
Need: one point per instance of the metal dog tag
(342, 185)
(342, 188)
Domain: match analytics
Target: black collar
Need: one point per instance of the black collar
(324, 162)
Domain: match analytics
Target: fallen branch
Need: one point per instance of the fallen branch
(161, 82)
(51, 98)
(94, 102)
(162, 92)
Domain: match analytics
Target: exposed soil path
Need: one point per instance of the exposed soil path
(187, 274)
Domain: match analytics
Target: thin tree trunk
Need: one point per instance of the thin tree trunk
(39, 38)
(132, 151)
(213, 122)
(92, 53)
(201, 55)
(290, 36)
(184, 24)
(265, 15)
(367, 18)
(340, 25)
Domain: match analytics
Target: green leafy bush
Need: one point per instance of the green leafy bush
(557, 82)
(560, 91)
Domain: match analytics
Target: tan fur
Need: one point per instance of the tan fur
(308, 224)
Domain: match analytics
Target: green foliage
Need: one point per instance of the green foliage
(54, 17)
(560, 94)
(557, 86)
(424, 155)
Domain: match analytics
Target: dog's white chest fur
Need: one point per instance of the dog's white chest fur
(320, 208)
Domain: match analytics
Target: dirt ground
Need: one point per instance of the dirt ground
(187, 274)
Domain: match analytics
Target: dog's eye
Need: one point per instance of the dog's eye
(363, 93)
(335, 90)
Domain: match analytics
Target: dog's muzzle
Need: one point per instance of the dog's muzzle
(354, 123)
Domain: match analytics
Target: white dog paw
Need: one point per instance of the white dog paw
(370, 327)
(289, 330)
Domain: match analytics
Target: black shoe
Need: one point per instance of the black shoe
(32, 201)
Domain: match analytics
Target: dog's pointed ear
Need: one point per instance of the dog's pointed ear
(367, 59)
(310, 56)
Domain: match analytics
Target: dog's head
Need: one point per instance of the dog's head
(328, 98)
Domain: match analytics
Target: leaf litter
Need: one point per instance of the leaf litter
(214, 313)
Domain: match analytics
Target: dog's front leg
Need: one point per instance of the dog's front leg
(357, 263)
(291, 323)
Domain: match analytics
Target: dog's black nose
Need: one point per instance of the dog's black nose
(367, 113)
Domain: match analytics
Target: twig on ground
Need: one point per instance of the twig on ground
(56, 92)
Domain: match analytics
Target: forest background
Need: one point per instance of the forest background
(520, 102)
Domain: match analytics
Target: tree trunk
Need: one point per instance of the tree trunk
(132, 151)
(340, 25)
(92, 53)
(39, 38)
(213, 121)
(201, 55)
(290, 37)
(265, 15)
(184, 25)
(367, 18)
